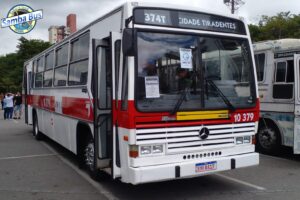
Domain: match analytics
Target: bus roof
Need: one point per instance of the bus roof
(277, 45)
(134, 4)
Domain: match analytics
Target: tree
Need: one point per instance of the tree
(11, 65)
(29, 48)
(283, 25)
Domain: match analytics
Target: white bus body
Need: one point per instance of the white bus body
(96, 94)
(277, 65)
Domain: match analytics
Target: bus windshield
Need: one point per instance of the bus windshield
(189, 72)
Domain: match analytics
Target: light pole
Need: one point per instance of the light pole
(234, 4)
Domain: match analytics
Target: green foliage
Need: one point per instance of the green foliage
(11, 65)
(283, 25)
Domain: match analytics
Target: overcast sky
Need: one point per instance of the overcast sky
(55, 12)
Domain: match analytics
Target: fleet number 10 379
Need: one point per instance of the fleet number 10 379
(243, 117)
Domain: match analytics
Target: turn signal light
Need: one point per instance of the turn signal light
(133, 151)
(253, 140)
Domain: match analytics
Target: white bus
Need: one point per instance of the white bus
(138, 94)
(278, 71)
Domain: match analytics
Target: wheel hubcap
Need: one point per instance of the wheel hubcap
(89, 155)
(267, 138)
(35, 128)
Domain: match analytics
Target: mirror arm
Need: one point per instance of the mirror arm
(127, 21)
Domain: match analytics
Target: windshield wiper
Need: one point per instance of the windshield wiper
(180, 101)
(220, 93)
(182, 97)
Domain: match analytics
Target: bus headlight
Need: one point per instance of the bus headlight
(239, 140)
(146, 150)
(247, 139)
(157, 149)
(151, 149)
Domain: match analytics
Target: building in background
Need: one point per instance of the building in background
(58, 33)
(71, 23)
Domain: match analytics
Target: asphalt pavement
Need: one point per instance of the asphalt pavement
(42, 170)
(31, 170)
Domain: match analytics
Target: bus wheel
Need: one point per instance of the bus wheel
(89, 159)
(36, 133)
(268, 140)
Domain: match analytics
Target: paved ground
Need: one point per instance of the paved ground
(35, 170)
(29, 170)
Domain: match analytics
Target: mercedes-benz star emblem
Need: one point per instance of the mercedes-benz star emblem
(204, 133)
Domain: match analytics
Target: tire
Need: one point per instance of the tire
(268, 139)
(89, 159)
(36, 132)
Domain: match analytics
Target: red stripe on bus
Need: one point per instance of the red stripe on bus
(45, 102)
(73, 107)
(132, 119)
(78, 107)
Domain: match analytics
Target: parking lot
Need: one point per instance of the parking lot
(31, 169)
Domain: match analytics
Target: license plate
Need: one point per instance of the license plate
(207, 166)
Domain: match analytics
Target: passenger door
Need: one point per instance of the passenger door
(115, 42)
(297, 105)
(26, 93)
(106, 60)
(102, 102)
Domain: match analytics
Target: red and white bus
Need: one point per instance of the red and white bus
(149, 92)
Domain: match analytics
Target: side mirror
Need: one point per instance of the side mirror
(128, 44)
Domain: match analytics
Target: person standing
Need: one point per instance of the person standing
(18, 106)
(9, 106)
(2, 103)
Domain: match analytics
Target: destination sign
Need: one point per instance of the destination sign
(189, 20)
(286, 54)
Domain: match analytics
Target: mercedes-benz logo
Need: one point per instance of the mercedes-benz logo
(204, 133)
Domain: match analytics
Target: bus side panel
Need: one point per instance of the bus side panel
(71, 106)
(29, 115)
(285, 123)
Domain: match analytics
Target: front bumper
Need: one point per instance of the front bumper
(188, 169)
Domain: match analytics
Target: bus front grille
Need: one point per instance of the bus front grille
(181, 139)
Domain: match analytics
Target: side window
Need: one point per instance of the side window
(29, 80)
(33, 73)
(48, 74)
(62, 55)
(281, 69)
(60, 76)
(290, 72)
(38, 80)
(284, 80)
(260, 65)
(61, 61)
(40, 64)
(49, 58)
(39, 72)
(78, 68)
(47, 81)
(125, 85)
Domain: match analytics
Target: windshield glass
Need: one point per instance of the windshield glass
(188, 72)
